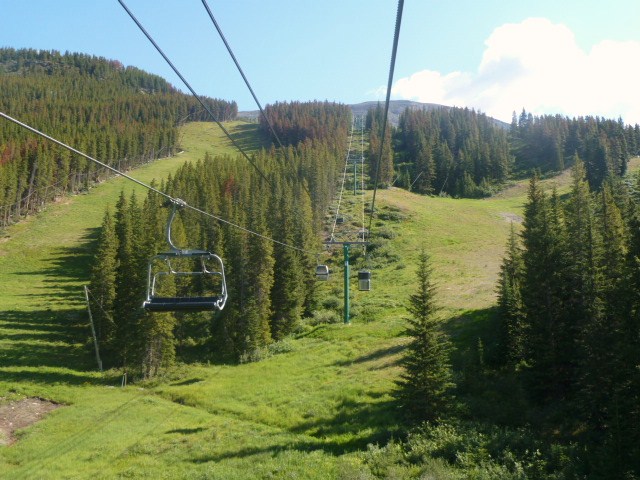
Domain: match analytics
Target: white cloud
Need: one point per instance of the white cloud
(537, 65)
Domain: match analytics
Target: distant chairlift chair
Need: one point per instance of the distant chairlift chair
(322, 272)
(364, 280)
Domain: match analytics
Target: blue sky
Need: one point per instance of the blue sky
(572, 57)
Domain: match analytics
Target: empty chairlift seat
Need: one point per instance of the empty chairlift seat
(190, 281)
(322, 272)
(364, 280)
(184, 280)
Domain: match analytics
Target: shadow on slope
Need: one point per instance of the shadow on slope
(250, 137)
(66, 271)
(50, 339)
(354, 426)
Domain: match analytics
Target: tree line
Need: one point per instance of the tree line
(550, 143)
(294, 122)
(453, 151)
(464, 153)
(271, 285)
(119, 115)
(570, 316)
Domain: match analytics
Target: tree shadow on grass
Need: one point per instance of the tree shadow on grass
(250, 137)
(375, 356)
(51, 339)
(354, 426)
(52, 377)
(470, 331)
(485, 390)
(68, 267)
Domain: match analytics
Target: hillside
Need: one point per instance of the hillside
(121, 115)
(311, 408)
(317, 405)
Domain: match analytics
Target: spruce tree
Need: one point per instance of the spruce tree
(425, 386)
(103, 285)
(287, 293)
(156, 329)
(544, 260)
(604, 379)
(512, 337)
(260, 278)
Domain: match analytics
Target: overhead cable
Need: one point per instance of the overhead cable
(244, 77)
(246, 81)
(149, 187)
(394, 50)
(193, 92)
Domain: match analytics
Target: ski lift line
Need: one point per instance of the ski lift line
(361, 121)
(255, 97)
(416, 179)
(394, 50)
(108, 317)
(344, 177)
(193, 92)
(244, 77)
(149, 187)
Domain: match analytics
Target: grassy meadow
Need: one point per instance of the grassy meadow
(309, 409)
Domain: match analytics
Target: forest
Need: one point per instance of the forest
(71, 96)
(463, 153)
(570, 316)
(270, 283)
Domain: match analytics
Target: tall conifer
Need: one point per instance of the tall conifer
(425, 386)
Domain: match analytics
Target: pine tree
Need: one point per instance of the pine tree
(543, 293)
(288, 293)
(103, 285)
(425, 385)
(605, 373)
(512, 331)
(130, 284)
(156, 329)
(260, 278)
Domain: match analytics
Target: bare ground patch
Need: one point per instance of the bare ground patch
(511, 217)
(20, 414)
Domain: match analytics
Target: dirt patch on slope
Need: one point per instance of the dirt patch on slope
(20, 414)
(511, 217)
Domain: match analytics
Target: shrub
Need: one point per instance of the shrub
(321, 317)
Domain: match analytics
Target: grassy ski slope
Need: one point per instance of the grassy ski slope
(308, 410)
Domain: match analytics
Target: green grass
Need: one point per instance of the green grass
(308, 412)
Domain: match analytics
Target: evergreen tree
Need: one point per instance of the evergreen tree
(604, 376)
(288, 294)
(425, 386)
(156, 329)
(549, 349)
(103, 285)
(260, 278)
(129, 285)
(512, 328)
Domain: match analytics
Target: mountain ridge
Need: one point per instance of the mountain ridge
(396, 107)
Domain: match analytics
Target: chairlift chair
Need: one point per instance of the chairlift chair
(203, 270)
(322, 272)
(364, 280)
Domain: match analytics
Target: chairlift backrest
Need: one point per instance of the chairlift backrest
(205, 287)
(322, 272)
(364, 280)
